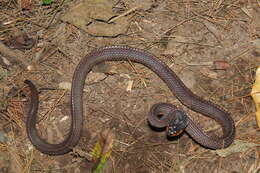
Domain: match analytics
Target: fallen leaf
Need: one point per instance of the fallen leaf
(213, 28)
(209, 73)
(220, 65)
(129, 85)
(20, 41)
(95, 77)
(255, 93)
(65, 85)
(102, 150)
(93, 17)
(25, 4)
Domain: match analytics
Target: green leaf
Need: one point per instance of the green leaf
(102, 150)
(47, 2)
(102, 162)
(96, 153)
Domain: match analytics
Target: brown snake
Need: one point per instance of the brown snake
(121, 53)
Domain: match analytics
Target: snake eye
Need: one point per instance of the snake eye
(177, 124)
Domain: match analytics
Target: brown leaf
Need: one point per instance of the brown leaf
(21, 41)
(220, 65)
(25, 4)
(107, 138)
(94, 17)
(209, 73)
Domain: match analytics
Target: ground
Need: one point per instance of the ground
(213, 46)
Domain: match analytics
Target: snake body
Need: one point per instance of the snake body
(122, 53)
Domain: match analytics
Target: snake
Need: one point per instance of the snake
(160, 114)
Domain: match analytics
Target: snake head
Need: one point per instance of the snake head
(177, 124)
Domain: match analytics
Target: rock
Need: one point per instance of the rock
(3, 138)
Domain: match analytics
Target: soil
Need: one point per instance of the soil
(211, 45)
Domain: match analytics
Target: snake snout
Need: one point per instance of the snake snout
(178, 123)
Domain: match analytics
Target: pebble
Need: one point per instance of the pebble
(3, 138)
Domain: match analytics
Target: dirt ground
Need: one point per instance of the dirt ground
(213, 46)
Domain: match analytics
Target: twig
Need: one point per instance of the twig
(123, 14)
(133, 67)
(55, 13)
(29, 163)
(178, 24)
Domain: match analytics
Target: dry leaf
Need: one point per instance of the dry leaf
(220, 65)
(92, 16)
(209, 73)
(255, 93)
(129, 85)
(65, 85)
(19, 41)
(25, 4)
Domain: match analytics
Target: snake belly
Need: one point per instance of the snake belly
(123, 53)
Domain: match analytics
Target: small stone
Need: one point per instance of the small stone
(3, 138)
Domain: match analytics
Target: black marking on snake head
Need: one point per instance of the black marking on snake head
(177, 124)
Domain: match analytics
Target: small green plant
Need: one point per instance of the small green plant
(102, 150)
(47, 2)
